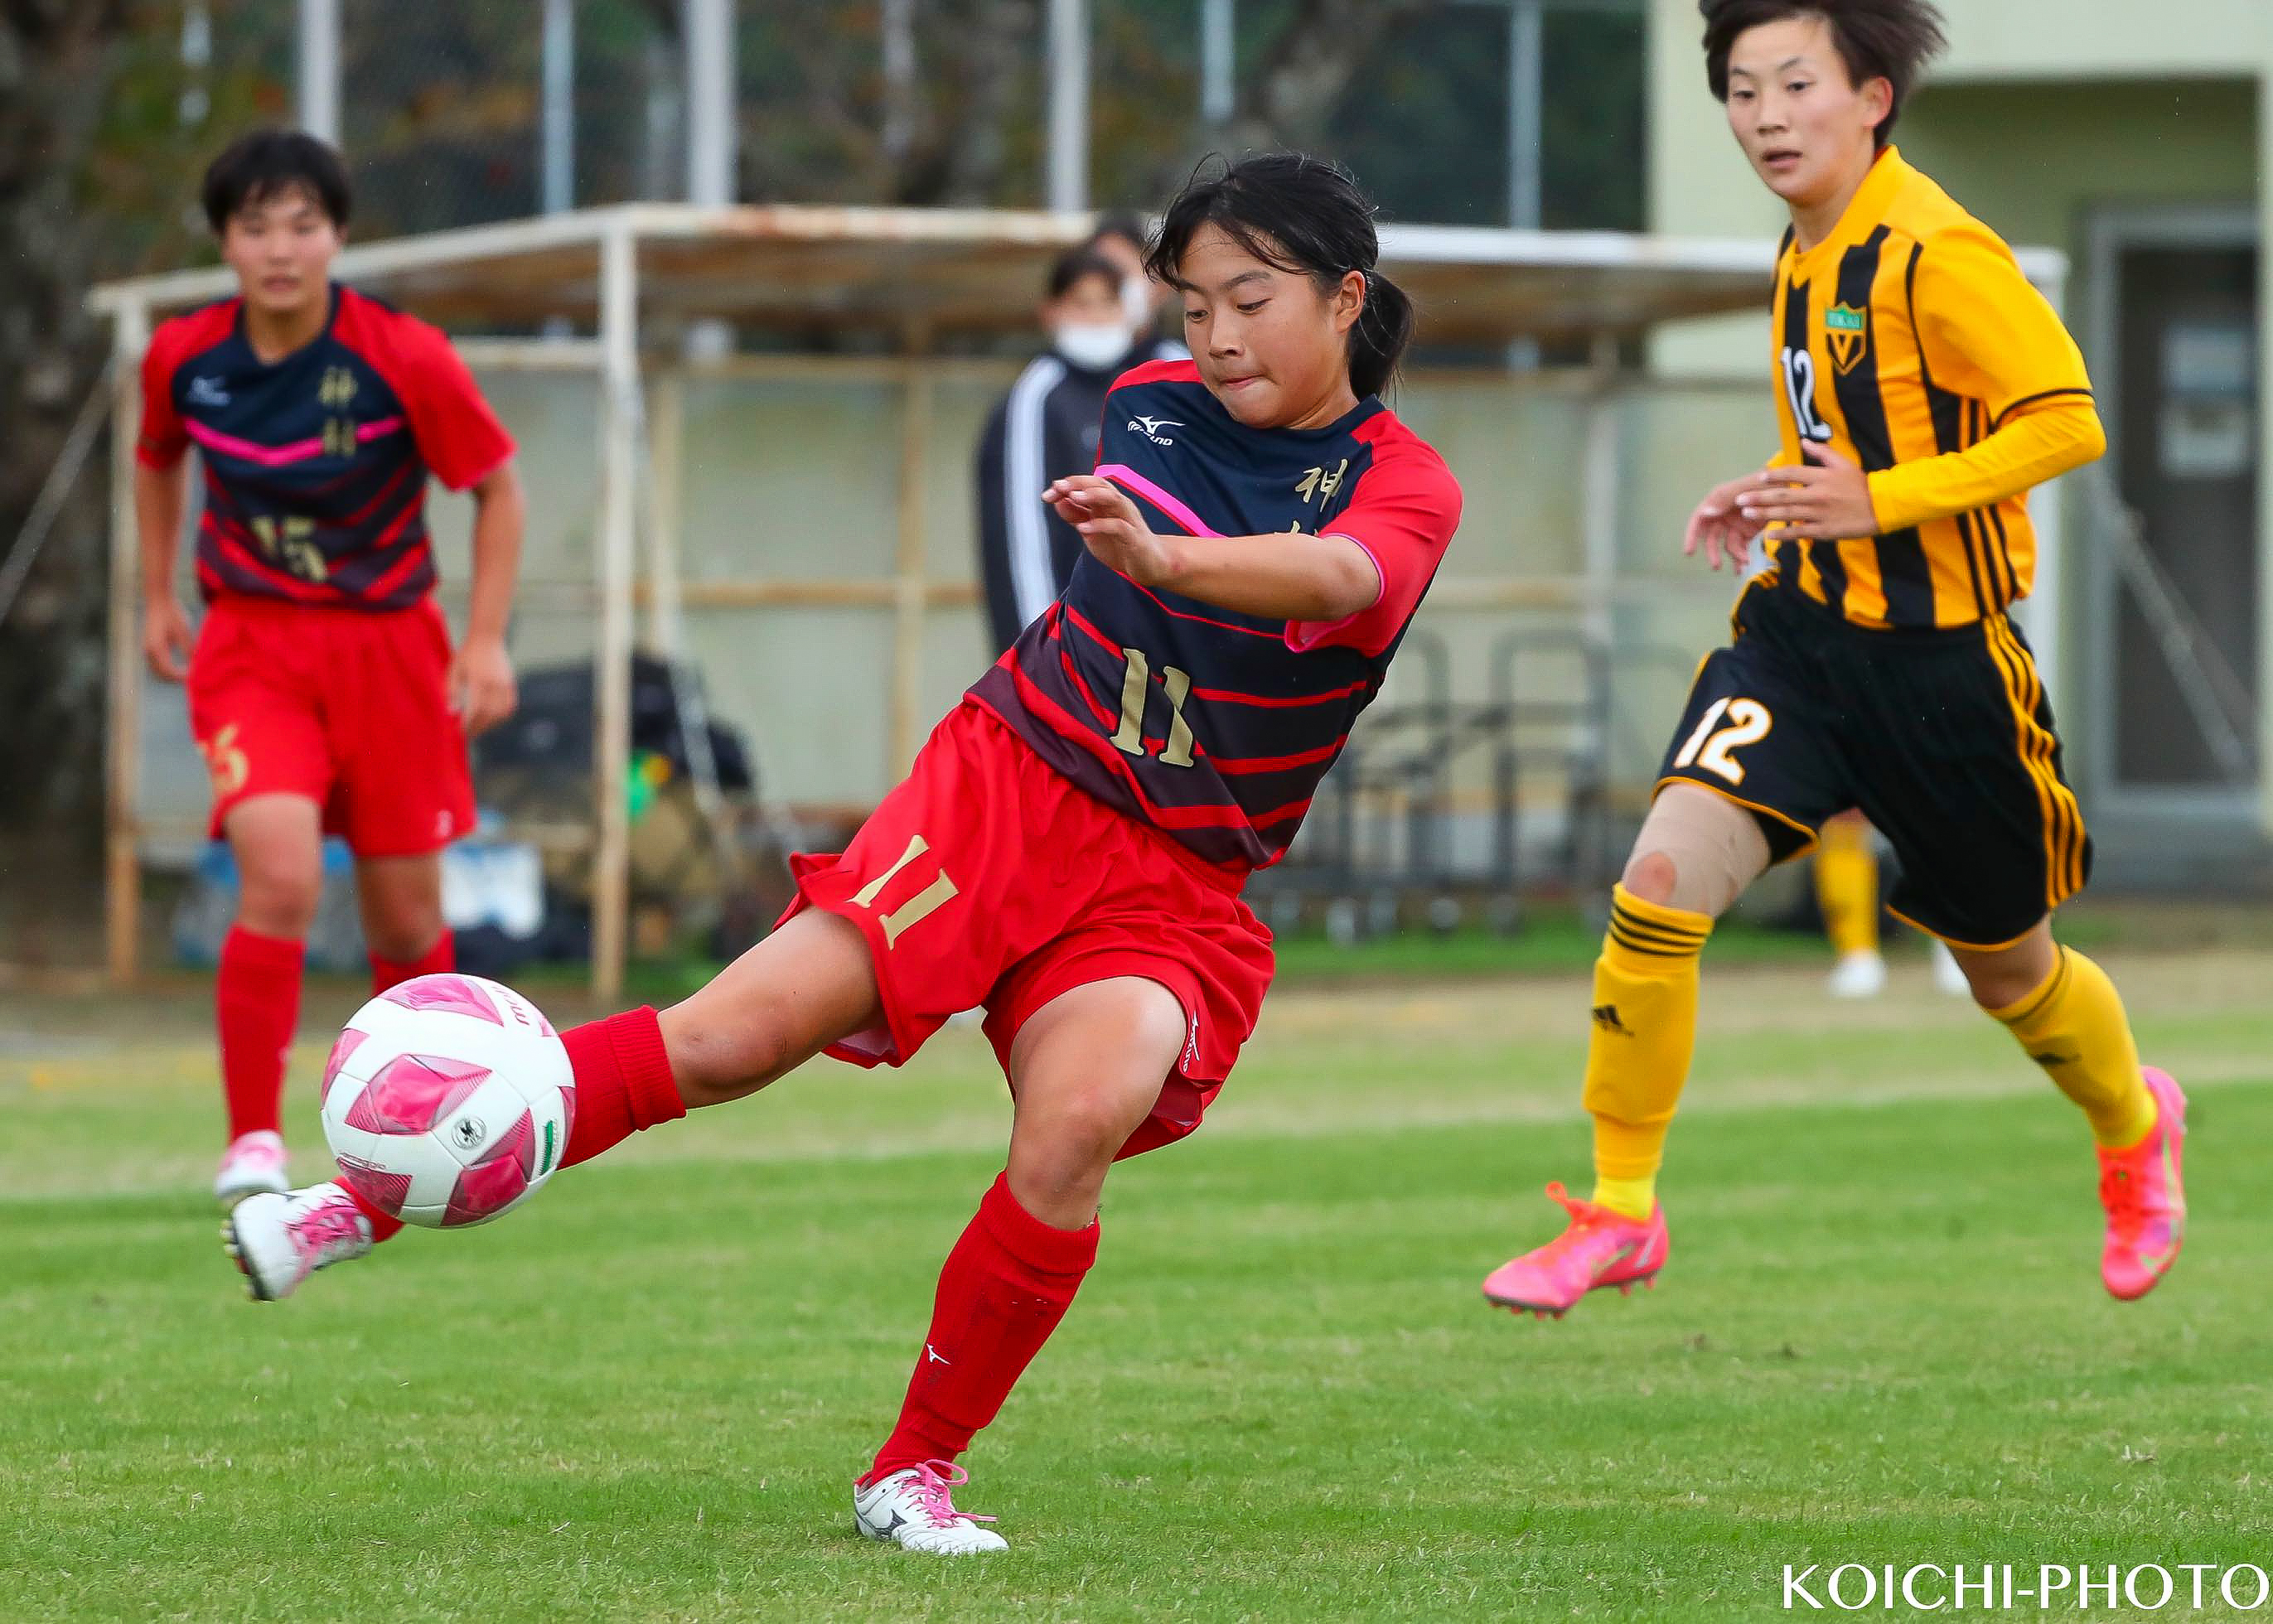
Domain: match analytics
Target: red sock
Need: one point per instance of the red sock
(623, 1082)
(256, 1004)
(440, 959)
(1006, 1285)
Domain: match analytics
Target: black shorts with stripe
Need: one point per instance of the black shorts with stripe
(1943, 739)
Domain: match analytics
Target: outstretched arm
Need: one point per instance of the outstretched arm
(1287, 576)
(1832, 499)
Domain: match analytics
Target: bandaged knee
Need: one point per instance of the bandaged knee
(1715, 848)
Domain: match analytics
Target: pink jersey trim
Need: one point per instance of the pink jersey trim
(277, 456)
(1122, 473)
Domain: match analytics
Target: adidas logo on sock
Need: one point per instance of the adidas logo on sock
(1606, 1016)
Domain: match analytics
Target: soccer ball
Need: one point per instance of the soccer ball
(447, 1101)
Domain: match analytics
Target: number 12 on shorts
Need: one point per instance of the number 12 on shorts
(1748, 724)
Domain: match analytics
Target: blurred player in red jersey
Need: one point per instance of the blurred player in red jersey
(1069, 848)
(323, 690)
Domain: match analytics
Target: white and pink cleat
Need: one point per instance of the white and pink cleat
(913, 1507)
(278, 1240)
(253, 1162)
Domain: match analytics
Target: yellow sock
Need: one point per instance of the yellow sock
(1645, 1028)
(1847, 887)
(2073, 1026)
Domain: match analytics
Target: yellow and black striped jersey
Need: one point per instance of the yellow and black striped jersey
(1905, 339)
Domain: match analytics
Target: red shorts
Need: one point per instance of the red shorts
(987, 879)
(349, 707)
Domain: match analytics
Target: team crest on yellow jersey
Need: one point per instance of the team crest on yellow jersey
(1848, 331)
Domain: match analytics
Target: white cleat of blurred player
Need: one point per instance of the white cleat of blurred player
(1860, 974)
(1947, 977)
(277, 1241)
(913, 1508)
(254, 1164)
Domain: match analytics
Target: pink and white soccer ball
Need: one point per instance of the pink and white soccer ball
(447, 1101)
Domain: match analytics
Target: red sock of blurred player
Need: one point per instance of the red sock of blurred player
(1006, 1285)
(256, 1005)
(439, 960)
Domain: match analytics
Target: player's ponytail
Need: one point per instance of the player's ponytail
(1302, 214)
(1383, 328)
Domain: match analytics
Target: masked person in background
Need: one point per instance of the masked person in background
(1047, 429)
(1120, 237)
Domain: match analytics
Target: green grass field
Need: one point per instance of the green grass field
(1881, 1337)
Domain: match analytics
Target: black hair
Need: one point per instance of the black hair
(1302, 214)
(1069, 268)
(269, 163)
(1124, 224)
(1892, 40)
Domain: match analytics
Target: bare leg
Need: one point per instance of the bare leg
(1086, 1071)
(402, 903)
(277, 841)
(808, 984)
(2002, 979)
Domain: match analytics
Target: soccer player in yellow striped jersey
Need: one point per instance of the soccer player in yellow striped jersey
(1924, 388)
(1912, 352)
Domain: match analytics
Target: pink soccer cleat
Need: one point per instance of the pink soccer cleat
(1600, 1248)
(2145, 1195)
(277, 1241)
(252, 1163)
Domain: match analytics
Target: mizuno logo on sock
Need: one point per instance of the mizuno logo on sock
(931, 1356)
(1606, 1016)
(2049, 1057)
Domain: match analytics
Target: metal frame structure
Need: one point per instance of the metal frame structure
(632, 281)
(2113, 543)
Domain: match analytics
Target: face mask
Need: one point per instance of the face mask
(1092, 345)
(1136, 302)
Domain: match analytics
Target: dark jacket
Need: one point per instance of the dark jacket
(1045, 429)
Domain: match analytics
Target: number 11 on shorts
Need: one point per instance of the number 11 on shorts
(1749, 722)
(917, 908)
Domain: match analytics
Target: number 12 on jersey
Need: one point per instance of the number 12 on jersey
(1748, 724)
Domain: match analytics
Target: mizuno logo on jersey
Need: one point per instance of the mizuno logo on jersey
(207, 392)
(1150, 427)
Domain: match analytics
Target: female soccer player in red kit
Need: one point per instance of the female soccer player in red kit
(323, 691)
(1069, 848)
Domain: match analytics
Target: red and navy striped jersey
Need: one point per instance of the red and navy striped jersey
(1213, 726)
(316, 464)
